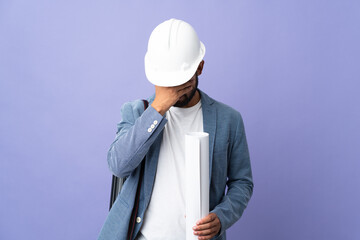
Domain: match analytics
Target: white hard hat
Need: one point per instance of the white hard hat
(174, 53)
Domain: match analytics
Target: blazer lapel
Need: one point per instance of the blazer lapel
(209, 124)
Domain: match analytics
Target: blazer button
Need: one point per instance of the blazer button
(155, 122)
(152, 126)
(138, 219)
(149, 130)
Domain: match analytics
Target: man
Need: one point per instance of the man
(173, 63)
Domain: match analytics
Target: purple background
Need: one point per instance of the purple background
(290, 67)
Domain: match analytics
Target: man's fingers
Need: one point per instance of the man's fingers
(184, 90)
(205, 226)
(205, 232)
(184, 85)
(209, 218)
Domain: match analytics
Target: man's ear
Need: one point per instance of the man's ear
(200, 67)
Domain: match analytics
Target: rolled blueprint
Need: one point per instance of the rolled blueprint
(197, 179)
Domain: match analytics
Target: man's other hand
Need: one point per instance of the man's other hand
(207, 227)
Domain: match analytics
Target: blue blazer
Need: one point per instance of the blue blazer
(229, 163)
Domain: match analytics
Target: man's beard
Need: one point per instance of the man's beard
(187, 99)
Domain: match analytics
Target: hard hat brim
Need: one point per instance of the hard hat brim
(172, 79)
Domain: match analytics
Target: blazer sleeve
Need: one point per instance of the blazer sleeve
(136, 132)
(240, 183)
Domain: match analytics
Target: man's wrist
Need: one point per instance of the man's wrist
(159, 109)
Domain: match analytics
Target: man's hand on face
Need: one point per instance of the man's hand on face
(207, 227)
(165, 97)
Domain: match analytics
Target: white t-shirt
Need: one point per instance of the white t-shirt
(165, 215)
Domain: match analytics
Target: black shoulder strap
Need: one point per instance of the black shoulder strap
(146, 104)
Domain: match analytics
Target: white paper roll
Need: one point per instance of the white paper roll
(197, 179)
